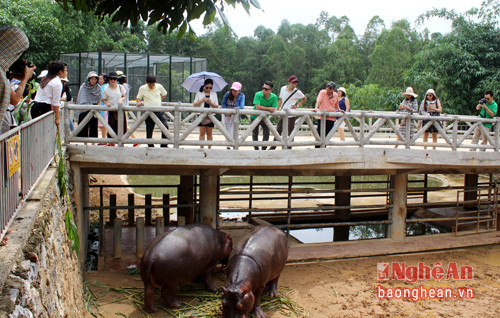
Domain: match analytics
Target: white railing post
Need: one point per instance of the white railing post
(236, 128)
(177, 124)
(121, 117)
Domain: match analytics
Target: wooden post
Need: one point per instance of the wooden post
(81, 196)
(185, 196)
(112, 211)
(160, 226)
(166, 210)
(341, 233)
(470, 186)
(139, 237)
(398, 211)
(117, 238)
(131, 211)
(208, 199)
(147, 201)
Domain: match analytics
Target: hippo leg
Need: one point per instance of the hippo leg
(149, 292)
(168, 294)
(207, 279)
(257, 311)
(272, 287)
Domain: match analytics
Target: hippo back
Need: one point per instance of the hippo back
(267, 246)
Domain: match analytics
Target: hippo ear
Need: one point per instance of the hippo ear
(223, 288)
(246, 304)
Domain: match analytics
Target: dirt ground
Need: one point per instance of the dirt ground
(343, 288)
(348, 288)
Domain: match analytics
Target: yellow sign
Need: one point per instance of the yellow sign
(14, 154)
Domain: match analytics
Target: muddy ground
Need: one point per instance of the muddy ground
(343, 288)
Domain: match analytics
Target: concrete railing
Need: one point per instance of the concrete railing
(362, 128)
(36, 150)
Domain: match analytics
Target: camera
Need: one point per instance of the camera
(482, 101)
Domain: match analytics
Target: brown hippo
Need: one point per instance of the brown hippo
(178, 256)
(254, 266)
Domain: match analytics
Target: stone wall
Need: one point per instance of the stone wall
(40, 276)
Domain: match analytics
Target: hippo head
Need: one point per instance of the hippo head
(237, 302)
(227, 248)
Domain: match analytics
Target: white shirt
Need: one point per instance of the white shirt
(284, 93)
(113, 95)
(51, 93)
(213, 97)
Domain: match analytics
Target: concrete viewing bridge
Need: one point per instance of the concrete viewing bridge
(368, 149)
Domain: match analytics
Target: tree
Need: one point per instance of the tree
(390, 59)
(168, 15)
(463, 64)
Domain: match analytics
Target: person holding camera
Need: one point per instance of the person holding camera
(430, 106)
(208, 98)
(18, 75)
(487, 109)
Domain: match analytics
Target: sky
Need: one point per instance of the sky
(359, 13)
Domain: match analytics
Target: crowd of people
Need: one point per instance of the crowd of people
(112, 90)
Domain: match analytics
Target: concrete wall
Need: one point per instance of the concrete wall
(40, 276)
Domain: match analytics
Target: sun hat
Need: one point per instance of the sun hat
(112, 74)
(409, 91)
(342, 89)
(431, 91)
(293, 79)
(92, 74)
(43, 74)
(236, 86)
(120, 74)
(331, 84)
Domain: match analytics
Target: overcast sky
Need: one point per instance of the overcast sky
(359, 13)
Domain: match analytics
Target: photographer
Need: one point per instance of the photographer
(18, 75)
(488, 109)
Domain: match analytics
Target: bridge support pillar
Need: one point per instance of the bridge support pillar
(398, 211)
(342, 199)
(208, 199)
(185, 196)
(82, 199)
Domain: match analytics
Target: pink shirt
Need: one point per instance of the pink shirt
(327, 103)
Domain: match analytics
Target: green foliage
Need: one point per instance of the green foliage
(390, 59)
(463, 64)
(62, 182)
(167, 15)
(373, 97)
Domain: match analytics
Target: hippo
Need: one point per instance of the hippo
(254, 266)
(178, 256)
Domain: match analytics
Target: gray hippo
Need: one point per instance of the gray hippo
(254, 267)
(180, 255)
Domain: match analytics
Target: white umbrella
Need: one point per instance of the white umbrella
(196, 80)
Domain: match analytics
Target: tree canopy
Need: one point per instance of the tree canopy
(167, 15)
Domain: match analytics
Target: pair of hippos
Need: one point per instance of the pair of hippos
(182, 254)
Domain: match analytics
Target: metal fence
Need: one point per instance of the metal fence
(361, 128)
(37, 147)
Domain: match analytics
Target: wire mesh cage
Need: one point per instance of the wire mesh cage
(169, 70)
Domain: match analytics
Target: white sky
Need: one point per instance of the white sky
(359, 13)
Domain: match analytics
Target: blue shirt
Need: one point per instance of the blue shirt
(240, 100)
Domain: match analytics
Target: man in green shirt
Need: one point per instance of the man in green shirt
(263, 100)
(488, 109)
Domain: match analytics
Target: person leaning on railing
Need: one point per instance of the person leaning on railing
(488, 109)
(266, 101)
(152, 93)
(328, 101)
(89, 94)
(48, 96)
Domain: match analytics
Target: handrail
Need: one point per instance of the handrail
(363, 128)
